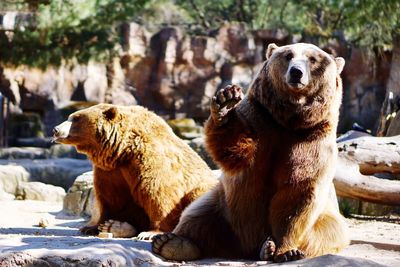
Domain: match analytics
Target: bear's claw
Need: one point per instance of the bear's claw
(89, 230)
(173, 247)
(268, 250)
(224, 101)
(118, 229)
(290, 255)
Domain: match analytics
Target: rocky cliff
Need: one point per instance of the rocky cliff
(175, 74)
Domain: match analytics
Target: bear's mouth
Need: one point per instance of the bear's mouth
(296, 85)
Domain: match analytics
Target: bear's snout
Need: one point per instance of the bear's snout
(297, 75)
(61, 130)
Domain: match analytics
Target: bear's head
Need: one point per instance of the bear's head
(299, 84)
(107, 134)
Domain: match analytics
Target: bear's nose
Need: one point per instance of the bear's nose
(295, 74)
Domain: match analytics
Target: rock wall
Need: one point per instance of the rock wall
(176, 74)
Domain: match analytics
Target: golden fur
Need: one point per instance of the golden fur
(143, 173)
(277, 150)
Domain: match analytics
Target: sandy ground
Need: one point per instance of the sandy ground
(374, 240)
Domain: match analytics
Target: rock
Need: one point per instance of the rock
(25, 125)
(40, 191)
(45, 142)
(65, 151)
(55, 151)
(175, 74)
(80, 196)
(43, 222)
(24, 153)
(11, 176)
(59, 172)
(185, 128)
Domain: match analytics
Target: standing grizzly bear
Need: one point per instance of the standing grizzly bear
(277, 149)
(144, 175)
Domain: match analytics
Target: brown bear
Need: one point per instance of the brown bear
(144, 175)
(277, 149)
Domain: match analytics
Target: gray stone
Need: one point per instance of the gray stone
(40, 191)
(80, 196)
(24, 153)
(59, 172)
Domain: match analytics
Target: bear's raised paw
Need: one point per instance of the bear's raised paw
(224, 101)
(173, 247)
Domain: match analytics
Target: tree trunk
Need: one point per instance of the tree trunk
(392, 90)
(359, 160)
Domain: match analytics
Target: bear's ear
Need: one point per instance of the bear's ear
(339, 64)
(110, 113)
(270, 49)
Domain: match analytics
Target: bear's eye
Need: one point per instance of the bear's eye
(313, 60)
(289, 56)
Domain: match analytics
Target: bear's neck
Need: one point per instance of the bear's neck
(290, 114)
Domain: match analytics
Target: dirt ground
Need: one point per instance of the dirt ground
(374, 239)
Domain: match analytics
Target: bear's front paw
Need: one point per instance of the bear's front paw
(118, 229)
(224, 101)
(290, 255)
(268, 250)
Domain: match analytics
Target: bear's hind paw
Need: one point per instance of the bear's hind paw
(173, 247)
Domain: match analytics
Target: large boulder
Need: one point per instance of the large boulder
(40, 191)
(80, 199)
(59, 172)
(11, 176)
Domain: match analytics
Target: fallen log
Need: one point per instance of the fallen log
(360, 160)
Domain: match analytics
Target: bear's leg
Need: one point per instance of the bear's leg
(292, 213)
(118, 229)
(203, 231)
(328, 235)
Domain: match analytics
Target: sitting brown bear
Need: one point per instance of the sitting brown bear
(277, 149)
(144, 175)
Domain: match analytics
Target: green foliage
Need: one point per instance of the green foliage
(367, 23)
(69, 29)
(88, 29)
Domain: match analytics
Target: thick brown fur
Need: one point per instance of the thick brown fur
(143, 173)
(278, 152)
